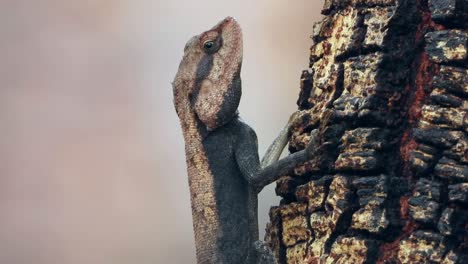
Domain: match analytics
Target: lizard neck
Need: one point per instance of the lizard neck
(201, 182)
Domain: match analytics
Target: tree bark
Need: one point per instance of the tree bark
(392, 184)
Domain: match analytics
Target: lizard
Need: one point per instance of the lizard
(224, 171)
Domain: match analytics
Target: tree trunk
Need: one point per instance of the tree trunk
(387, 86)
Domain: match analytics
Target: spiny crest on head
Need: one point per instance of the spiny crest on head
(209, 74)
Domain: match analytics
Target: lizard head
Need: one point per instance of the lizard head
(209, 75)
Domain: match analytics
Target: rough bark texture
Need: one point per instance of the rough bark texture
(392, 184)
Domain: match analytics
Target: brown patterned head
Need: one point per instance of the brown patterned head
(208, 80)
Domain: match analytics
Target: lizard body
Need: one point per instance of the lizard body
(225, 174)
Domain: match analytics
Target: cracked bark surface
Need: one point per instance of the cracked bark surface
(392, 184)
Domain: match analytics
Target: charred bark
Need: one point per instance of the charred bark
(392, 184)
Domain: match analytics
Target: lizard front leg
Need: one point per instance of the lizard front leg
(272, 168)
(257, 176)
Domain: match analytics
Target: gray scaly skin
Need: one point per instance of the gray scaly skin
(225, 174)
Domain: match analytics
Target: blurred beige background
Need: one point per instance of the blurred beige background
(92, 167)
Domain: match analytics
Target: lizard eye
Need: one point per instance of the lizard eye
(208, 46)
(212, 44)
